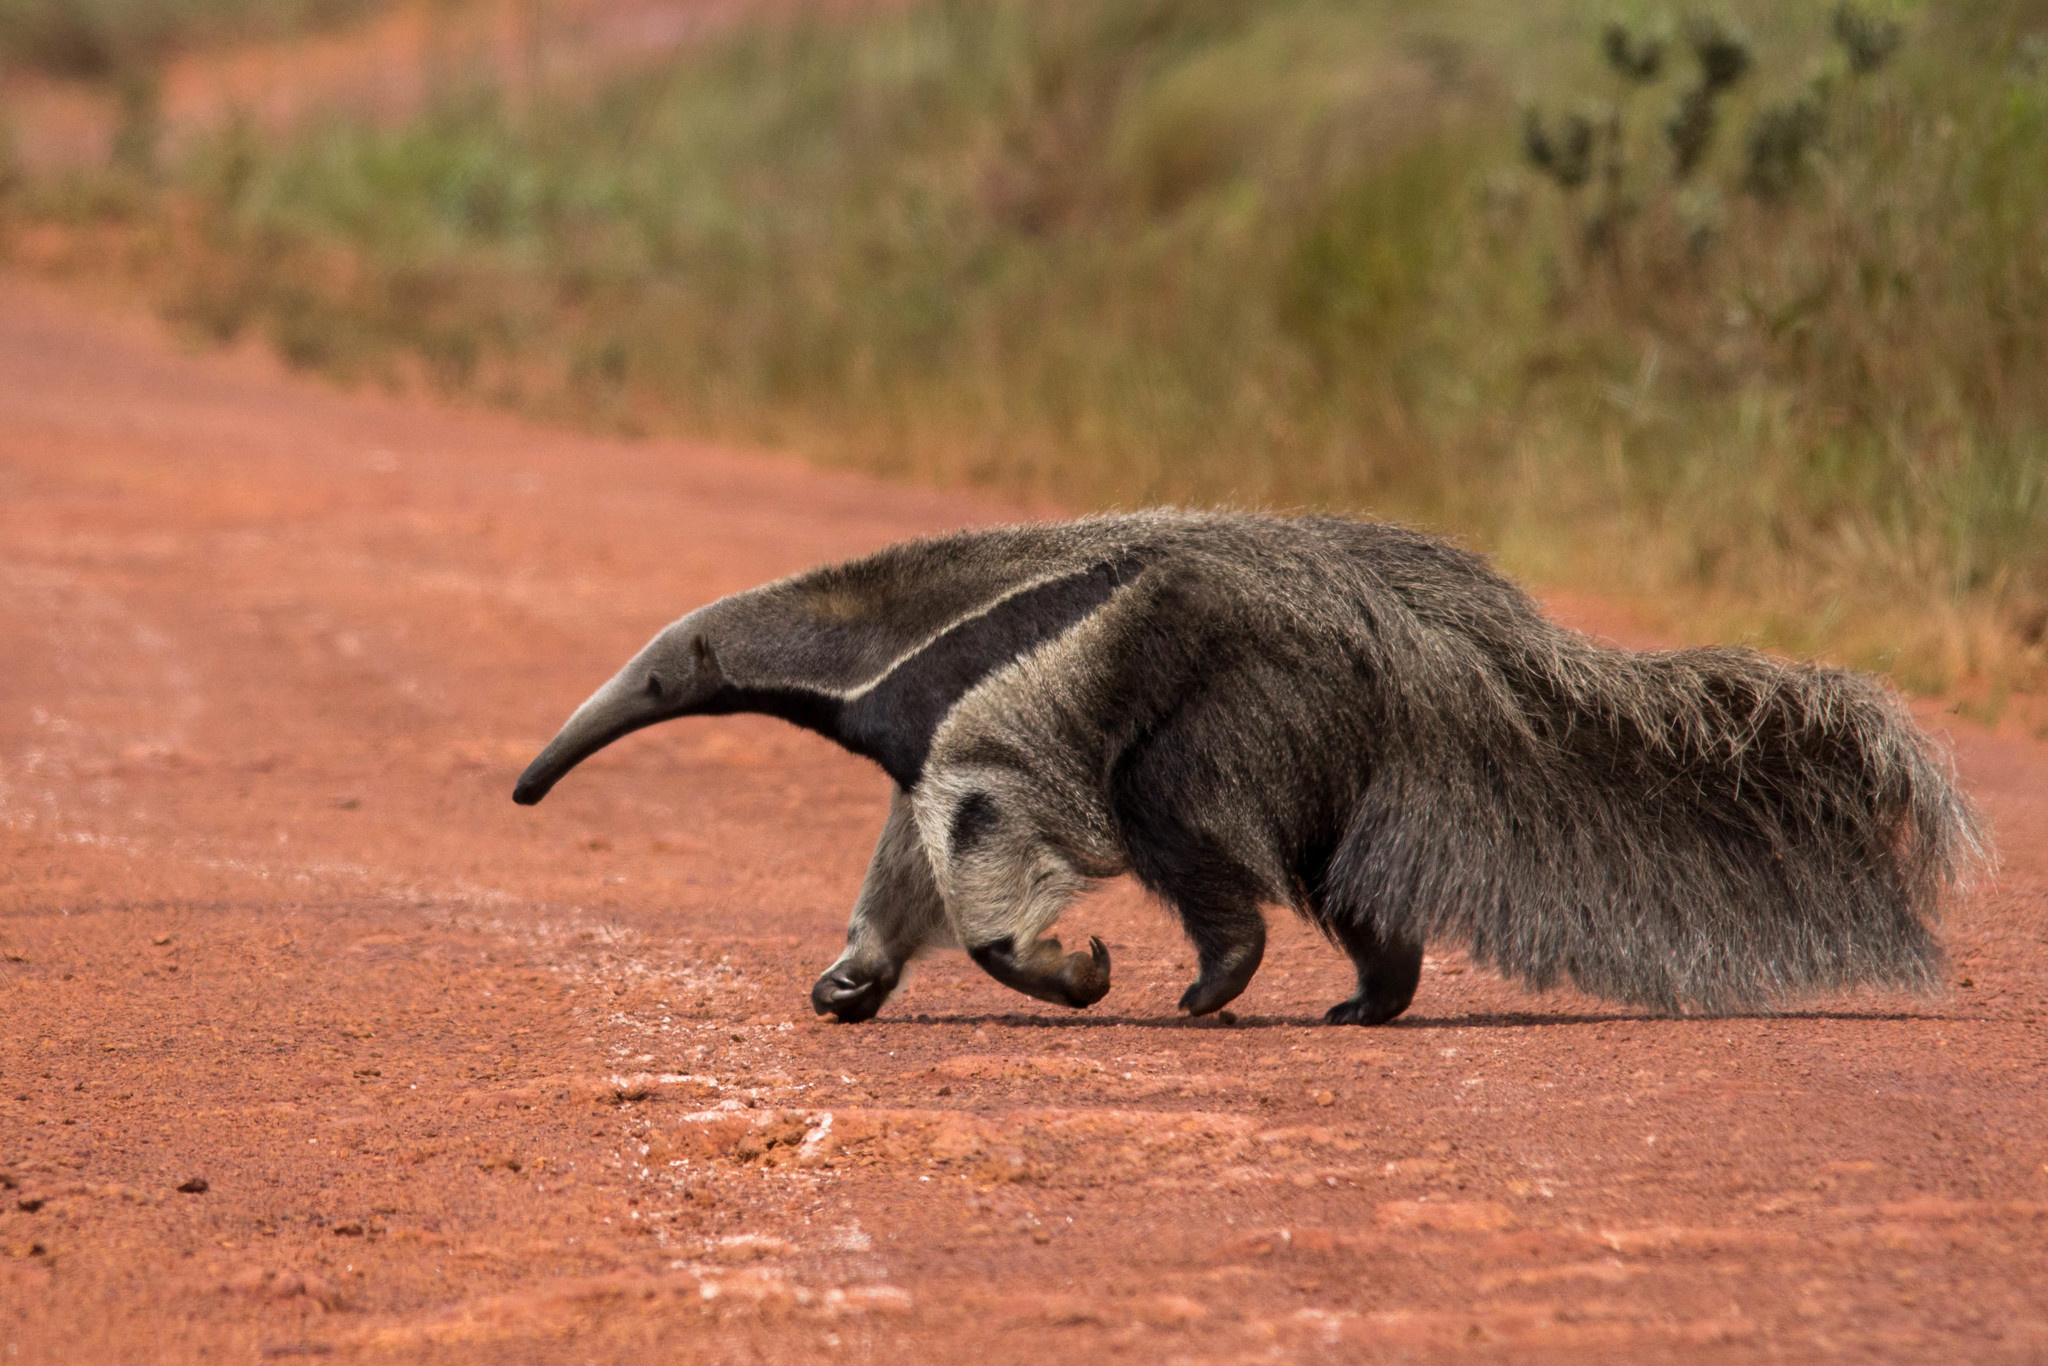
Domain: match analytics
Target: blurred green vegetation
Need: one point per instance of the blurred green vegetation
(1278, 252)
(97, 38)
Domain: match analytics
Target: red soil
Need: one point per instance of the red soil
(469, 1082)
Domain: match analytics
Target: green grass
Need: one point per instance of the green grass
(1284, 253)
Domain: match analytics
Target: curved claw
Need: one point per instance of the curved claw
(853, 997)
(1076, 979)
(1087, 975)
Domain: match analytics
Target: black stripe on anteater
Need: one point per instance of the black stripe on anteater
(894, 721)
(972, 819)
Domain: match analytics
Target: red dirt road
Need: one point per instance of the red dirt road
(469, 1082)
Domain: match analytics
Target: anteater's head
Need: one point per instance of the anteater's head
(870, 654)
(677, 674)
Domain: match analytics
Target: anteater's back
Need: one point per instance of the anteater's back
(1706, 830)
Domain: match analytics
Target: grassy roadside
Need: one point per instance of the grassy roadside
(1282, 253)
(99, 38)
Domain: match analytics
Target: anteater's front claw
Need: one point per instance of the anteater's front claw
(1087, 974)
(851, 993)
(1044, 972)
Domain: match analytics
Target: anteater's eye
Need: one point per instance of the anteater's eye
(654, 685)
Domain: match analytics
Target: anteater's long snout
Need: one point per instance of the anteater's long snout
(621, 707)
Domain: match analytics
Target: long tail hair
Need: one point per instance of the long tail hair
(1699, 830)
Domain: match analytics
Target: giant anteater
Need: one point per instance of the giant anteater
(1350, 718)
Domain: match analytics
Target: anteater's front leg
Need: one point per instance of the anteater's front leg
(1005, 883)
(899, 912)
(1043, 970)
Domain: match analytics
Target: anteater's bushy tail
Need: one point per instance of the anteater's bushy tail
(1700, 830)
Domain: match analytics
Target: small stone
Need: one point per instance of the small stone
(1039, 1235)
(346, 803)
(29, 1204)
(26, 1249)
(161, 940)
(1228, 1017)
(349, 1230)
(1326, 1098)
(196, 1186)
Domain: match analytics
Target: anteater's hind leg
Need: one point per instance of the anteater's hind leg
(1006, 882)
(1230, 943)
(1388, 971)
(1215, 894)
(899, 912)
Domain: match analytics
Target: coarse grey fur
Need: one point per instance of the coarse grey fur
(1353, 719)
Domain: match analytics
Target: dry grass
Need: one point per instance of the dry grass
(96, 38)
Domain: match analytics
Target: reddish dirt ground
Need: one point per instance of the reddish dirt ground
(471, 1082)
